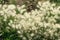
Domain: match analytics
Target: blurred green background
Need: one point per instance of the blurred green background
(21, 1)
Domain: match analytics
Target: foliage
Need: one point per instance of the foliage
(18, 24)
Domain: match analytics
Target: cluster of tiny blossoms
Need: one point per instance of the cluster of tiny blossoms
(44, 22)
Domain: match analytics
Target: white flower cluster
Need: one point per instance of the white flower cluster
(46, 19)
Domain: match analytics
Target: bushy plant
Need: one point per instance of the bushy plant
(18, 24)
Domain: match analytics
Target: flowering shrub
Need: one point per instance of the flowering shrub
(18, 24)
